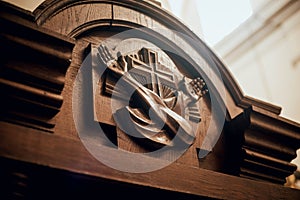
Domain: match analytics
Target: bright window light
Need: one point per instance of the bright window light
(219, 18)
(212, 20)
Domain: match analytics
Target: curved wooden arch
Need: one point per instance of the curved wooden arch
(46, 13)
(258, 143)
(242, 111)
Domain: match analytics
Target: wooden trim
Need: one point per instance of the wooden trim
(69, 154)
(251, 157)
(264, 145)
(34, 62)
(50, 8)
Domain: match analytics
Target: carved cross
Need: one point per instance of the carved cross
(163, 104)
(145, 67)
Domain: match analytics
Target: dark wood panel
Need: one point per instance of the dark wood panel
(69, 154)
(34, 62)
(255, 143)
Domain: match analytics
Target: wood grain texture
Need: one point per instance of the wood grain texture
(77, 16)
(266, 145)
(255, 142)
(33, 66)
(69, 154)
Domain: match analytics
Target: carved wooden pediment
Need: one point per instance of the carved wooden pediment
(148, 98)
(131, 96)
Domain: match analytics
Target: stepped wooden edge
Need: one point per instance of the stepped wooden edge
(261, 143)
(54, 151)
(33, 67)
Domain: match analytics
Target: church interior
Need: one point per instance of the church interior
(150, 98)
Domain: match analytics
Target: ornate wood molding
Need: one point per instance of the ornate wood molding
(260, 144)
(69, 156)
(263, 145)
(33, 66)
(116, 14)
(111, 16)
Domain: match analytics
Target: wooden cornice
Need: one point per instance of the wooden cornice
(33, 66)
(240, 99)
(12, 10)
(257, 157)
(50, 8)
(262, 145)
(35, 61)
(69, 155)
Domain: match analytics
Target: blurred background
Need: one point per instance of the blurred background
(258, 40)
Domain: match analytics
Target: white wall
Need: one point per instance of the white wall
(270, 70)
(264, 57)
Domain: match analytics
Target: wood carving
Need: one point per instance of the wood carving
(40, 61)
(157, 110)
(264, 159)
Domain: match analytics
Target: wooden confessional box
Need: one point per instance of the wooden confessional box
(107, 99)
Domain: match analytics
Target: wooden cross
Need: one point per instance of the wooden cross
(146, 69)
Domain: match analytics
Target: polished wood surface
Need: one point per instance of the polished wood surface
(250, 159)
